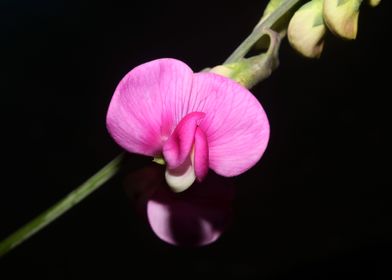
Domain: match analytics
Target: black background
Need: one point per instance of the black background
(315, 206)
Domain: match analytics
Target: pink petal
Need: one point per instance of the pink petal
(147, 105)
(201, 154)
(180, 143)
(235, 124)
(195, 217)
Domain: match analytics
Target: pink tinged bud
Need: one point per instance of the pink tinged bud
(341, 17)
(195, 217)
(196, 121)
(306, 29)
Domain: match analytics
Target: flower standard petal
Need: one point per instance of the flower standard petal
(146, 104)
(235, 124)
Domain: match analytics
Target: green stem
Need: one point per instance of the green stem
(265, 23)
(45, 218)
(113, 167)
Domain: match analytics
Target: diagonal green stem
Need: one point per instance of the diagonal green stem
(45, 218)
(112, 168)
(265, 23)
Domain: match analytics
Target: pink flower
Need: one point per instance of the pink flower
(195, 121)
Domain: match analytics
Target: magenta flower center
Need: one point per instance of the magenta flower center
(186, 153)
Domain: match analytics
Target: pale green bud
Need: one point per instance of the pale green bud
(374, 3)
(306, 29)
(341, 17)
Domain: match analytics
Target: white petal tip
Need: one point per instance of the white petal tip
(180, 180)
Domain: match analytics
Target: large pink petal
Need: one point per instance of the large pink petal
(235, 124)
(147, 105)
(180, 143)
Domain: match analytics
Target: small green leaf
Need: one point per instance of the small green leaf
(159, 160)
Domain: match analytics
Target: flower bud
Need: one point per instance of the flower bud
(341, 17)
(306, 29)
(374, 3)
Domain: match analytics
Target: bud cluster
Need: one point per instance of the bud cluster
(307, 27)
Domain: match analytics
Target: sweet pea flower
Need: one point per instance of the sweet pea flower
(193, 121)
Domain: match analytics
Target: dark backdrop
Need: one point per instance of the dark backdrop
(315, 207)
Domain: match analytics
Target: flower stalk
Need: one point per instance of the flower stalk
(265, 23)
(73, 198)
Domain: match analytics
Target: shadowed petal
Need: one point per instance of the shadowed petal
(195, 217)
(235, 124)
(147, 105)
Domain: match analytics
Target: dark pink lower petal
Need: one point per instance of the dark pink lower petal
(180, 143)
(201, 154)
